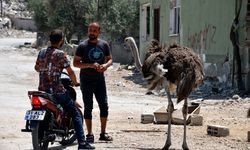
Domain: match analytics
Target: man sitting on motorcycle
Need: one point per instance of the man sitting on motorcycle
(50, 63)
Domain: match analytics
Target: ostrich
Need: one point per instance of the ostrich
(177, 67)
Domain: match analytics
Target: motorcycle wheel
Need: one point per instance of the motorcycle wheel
(38, 137)
(67, 140)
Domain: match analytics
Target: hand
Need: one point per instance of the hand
(76, 84)
(77, 104)
(102, 68)
(96, 65)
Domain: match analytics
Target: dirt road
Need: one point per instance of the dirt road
(127, 102)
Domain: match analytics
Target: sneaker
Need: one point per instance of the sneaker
(105, 137)
(85, 145)
(90, 138)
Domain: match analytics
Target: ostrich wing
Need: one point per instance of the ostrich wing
(184, 69)
(185, 86)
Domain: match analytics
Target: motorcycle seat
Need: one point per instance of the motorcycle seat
(41, 94)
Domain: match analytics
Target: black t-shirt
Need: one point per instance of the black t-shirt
(92, 53)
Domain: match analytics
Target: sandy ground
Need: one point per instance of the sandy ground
(127, 101)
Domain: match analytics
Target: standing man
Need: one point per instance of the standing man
(50, 63)
(93, 57)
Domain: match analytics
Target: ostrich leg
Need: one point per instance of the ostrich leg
(185, 112)
(170, 111)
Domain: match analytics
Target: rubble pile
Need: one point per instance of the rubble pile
(13, 33)
(212, 88)
(18, 8)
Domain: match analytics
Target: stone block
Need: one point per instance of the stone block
(147, 118)
(217, 130)
(196, 120)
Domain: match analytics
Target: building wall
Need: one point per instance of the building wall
(23, 24)
(207, 31)
(144, 37)
(205, 27)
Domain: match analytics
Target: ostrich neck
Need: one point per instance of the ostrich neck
(135, 53)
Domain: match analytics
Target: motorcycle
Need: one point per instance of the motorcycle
(47, 121)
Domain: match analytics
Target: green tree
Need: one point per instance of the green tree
(120, 18)
(39, 13)
(67, 15)
(64, 14)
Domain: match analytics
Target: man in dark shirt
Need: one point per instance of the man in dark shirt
(93, 57)
(50, 63)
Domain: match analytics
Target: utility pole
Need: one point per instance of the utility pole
(98, 5)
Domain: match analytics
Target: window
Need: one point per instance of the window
(145, 22)
(174, 26)
(157, 24)
(248, 11)
(148, 21)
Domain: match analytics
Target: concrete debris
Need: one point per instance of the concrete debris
(217, 130)
(131, 67)
(147, 118)
(116, 66)
(196, 120)
(214, 89)
(236, 97)
(120, 84)
(130, 117)
(161, 115)
(17, 8)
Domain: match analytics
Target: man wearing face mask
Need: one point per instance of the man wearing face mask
(50, 63)
(93, 57)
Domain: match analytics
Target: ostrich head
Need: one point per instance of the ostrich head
(152, 68)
